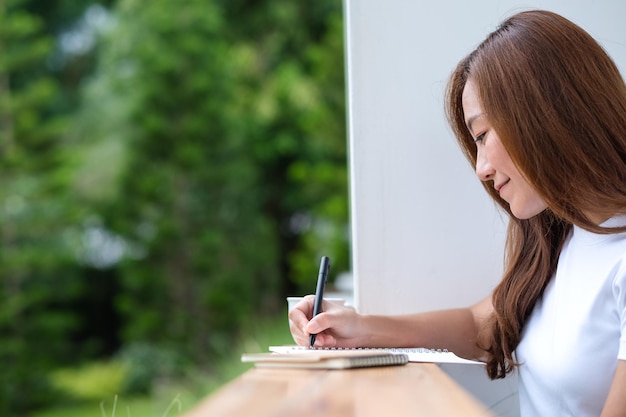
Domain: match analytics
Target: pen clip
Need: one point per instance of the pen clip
(324, 268)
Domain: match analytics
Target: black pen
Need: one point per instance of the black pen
(322, 277)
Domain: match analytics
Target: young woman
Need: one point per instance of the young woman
(539, 109)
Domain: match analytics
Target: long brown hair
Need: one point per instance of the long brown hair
(558, 104)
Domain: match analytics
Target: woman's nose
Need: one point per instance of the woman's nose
(484, 170)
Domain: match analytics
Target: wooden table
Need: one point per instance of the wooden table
(416, 389)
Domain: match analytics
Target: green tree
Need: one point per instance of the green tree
(73, 26)
(211, 143)
(295, 104)
(37, 275)
(200, 255)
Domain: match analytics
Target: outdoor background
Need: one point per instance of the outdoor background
(170, 172)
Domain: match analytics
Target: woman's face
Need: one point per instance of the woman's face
(493, 162)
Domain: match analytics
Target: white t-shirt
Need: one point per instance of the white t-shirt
(577, 331)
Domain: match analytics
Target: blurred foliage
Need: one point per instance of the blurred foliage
(94, 381)
(133, 371)
(144, 364)
(170, 172)
(168, 396)
(37, 275)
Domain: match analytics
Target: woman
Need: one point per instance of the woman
(539, 109)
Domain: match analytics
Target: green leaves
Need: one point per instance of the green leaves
(196, 173)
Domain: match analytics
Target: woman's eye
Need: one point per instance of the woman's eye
(479, 138)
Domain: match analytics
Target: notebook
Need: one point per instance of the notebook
(325, 359)
(414, 354)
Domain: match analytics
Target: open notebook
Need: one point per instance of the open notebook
(414, 354)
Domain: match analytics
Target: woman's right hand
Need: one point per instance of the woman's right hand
(335, 326)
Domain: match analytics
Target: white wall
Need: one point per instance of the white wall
(425, 234)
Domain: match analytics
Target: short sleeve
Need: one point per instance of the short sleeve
(619, 292)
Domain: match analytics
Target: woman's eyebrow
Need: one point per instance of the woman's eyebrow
(471, 120)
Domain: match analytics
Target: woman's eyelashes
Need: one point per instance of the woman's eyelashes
(480, 138)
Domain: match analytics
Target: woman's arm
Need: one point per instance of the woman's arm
(456, 329)
(615, 405)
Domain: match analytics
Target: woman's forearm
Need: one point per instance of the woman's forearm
(455, 329)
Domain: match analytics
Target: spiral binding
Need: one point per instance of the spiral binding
(392, 350)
